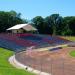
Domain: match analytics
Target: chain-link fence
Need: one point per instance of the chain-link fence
(47, 64)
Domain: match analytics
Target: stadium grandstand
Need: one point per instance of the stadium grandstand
(18, 40)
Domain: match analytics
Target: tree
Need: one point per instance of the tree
(69, 25)
(38, 22)
(72, 25)
(8, 19)
(54, 23)
(48, 25)
(66, 30)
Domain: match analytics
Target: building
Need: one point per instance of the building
(22, 28)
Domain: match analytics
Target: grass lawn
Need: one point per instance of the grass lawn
(8, 69)
(72, 53)
(71, 38)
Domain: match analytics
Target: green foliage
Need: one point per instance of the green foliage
(38, 22)
(55, 25)
(52, 24)
(6, 68)
(9, 19)
(69, 25)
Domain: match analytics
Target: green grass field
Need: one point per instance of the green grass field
(71, 38)
(72, 53)
(8, 69)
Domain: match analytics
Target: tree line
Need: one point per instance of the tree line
(9, 19)
(53, 24)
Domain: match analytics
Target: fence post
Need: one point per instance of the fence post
(63, 65)
(41, 64)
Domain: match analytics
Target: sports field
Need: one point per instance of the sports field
(6, 68)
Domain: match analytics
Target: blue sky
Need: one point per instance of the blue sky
(32, 8)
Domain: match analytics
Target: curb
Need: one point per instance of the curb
(18, 65)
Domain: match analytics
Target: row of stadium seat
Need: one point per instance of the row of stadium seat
(10, 45)
(14, 43)
(44, 40)
(21, 41)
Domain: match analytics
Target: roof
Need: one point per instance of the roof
(24, 26)
(29, 27)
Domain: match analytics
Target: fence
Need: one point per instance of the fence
(55, 66)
